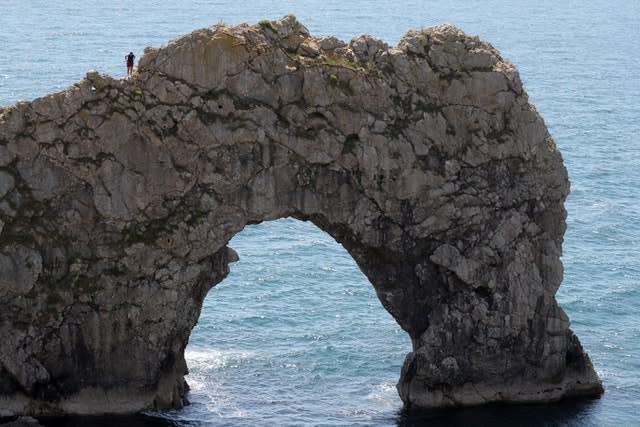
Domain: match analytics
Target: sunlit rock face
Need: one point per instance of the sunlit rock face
(425, 161)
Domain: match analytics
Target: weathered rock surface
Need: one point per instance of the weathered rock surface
(425, 160)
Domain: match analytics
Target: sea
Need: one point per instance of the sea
(295, 335)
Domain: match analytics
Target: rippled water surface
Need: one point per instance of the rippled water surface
(295, 334)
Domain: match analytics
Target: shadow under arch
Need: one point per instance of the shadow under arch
(294, 330)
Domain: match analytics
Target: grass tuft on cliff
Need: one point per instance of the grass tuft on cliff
(265, 23)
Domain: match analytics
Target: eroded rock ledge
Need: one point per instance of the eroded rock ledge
(425, 160)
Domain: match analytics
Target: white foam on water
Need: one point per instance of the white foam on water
(206, 360)
(384, 395)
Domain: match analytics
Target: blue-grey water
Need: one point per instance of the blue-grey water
(295, 334)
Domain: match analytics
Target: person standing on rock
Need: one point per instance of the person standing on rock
(130, 58)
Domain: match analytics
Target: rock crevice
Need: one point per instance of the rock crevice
(425, 161)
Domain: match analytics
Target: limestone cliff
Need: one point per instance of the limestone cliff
(425, 160)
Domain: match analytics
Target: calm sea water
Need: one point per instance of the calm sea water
(295, 334)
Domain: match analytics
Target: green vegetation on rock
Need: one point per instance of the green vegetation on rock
(265, 23)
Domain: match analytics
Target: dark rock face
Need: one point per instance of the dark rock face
(426, 161)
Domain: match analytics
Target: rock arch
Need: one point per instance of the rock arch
(425, 161)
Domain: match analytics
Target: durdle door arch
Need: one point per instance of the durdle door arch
(425, 160)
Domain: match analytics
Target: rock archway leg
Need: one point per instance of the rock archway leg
(475, 345)
(425, 160)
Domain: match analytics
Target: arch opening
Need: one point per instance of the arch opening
(295, 328)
